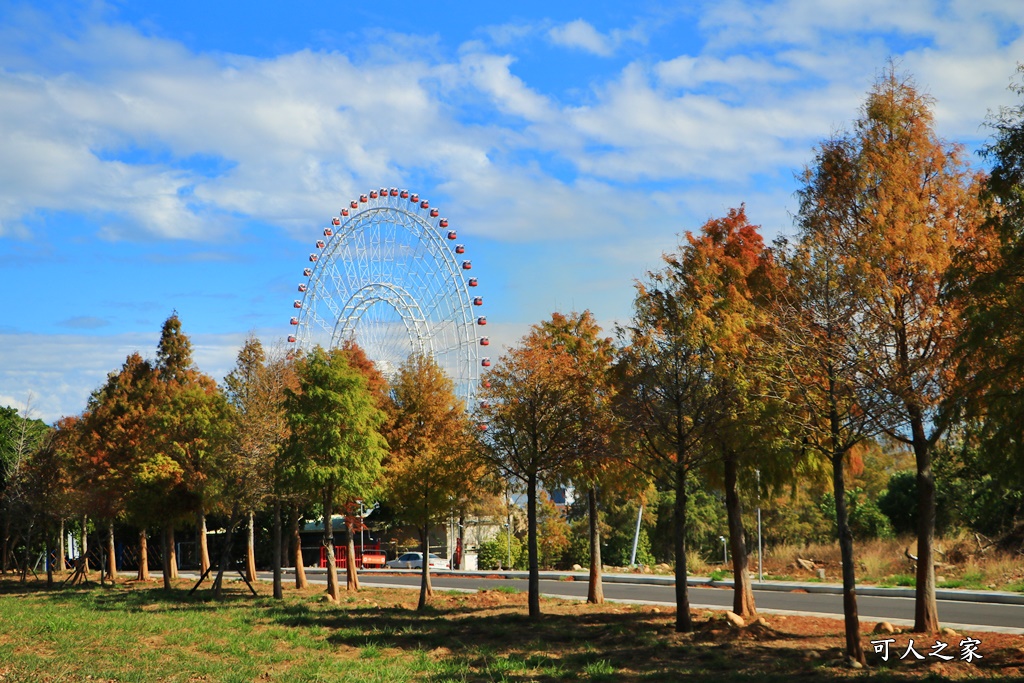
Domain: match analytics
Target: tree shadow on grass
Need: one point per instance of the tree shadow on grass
(475, 644)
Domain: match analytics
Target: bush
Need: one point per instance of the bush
(494, 554)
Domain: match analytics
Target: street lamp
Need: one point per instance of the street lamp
(725, 551)
(508, 531)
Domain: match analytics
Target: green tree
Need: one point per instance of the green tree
(670, 396)
(255, 390)
(990, 351)
(431, 470)
(20, 436)
(193, 428)
(334, 447)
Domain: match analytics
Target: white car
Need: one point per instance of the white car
(415, 561)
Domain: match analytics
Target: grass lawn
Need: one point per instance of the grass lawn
(138, 632)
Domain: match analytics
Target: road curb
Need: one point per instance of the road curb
(990, 597)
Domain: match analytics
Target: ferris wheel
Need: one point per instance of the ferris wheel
(389, 274)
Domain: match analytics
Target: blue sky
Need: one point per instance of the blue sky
(185, 156)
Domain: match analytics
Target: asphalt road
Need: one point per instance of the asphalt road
(897, 610)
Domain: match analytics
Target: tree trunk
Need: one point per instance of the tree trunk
(684, 624)
(172, 552)
(426, 590)
(595, 590)
(111, 553)
(166, 543)
(351, 576)
(62, 557)
(250, 548)
(5, 552)
(83, 552)
(204, 548)
(531, 522)
(143, 574)
(300, 568)
(743, 595)
(926, 610)
(278, 587)
(854, 649)
(332, 570)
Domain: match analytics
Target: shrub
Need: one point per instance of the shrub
(494, 553)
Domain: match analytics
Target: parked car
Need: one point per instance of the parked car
(415, 561)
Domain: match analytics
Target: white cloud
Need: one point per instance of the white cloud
(38, 365)
(581, 35)
(690, 72)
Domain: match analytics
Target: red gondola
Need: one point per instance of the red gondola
(484, 405)
(404, 194)
(482, 427)
(443, 223)
(472, 282)
(336, 221)
(460, 248)
(466, 265)
(328, 232)
(478, 301)
(293, 321)
(297, 304)
(320, 244)
(393, 192)
(487, 384)
(424, 204)
(306, 272)
(291, 338)
(482, 320)
(302, 286)
(484, 341)
(434, 213)
(383, 192)
(486, 362)
(363, 199)
(414, 198)
(452, 235)
(373, 195)
(314, 258)
(354, 204)
(344, 212)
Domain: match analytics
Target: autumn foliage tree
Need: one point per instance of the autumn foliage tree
(906, 204)
(596, 464)
(431, 470)
(727, 275)
(528, 405)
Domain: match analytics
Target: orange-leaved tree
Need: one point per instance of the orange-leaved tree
(432, 469)
(529, 408)
(907, 204)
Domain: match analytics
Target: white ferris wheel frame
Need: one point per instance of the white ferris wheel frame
(385, 276)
